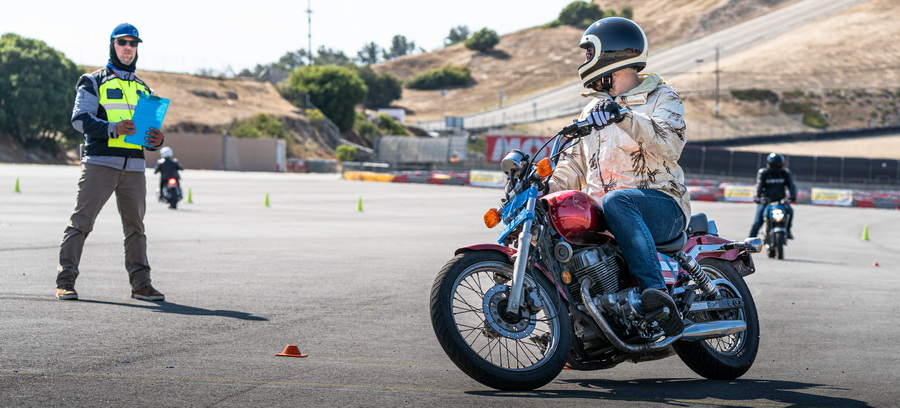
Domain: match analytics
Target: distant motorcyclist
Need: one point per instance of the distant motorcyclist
(168, 167)
(771, 181)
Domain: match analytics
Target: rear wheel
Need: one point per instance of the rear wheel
(727, 357)
(468, 304)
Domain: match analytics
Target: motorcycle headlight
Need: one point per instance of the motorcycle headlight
(512, 164)
(777, 215)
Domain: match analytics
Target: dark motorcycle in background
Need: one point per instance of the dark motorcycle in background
(556, 292)
(776, 228)
(172, 193)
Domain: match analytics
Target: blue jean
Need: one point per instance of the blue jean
(640, 218)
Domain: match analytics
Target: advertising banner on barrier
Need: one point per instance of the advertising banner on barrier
(831, 196)
(485, 178)
(498, 146)
(739, 194)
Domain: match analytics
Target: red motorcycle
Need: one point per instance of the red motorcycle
(556, 292)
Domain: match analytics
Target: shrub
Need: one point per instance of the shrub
(345, 153)
(760, 95)
(260, 126)
(439, 78)
(390, 126)
(483, 40)
(579, 14)
(811, 116)
(315, 115)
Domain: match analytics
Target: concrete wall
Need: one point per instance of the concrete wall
(209, 151)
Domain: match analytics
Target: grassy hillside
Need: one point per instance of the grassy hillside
(844, 68)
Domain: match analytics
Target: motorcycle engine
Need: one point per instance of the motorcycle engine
(599, 264)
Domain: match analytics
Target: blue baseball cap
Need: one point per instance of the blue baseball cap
(125, 30)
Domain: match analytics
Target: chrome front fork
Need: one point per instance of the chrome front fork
(518, 279)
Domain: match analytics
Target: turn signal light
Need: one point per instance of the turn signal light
(566, 277)
(544, 168)
(492, 218)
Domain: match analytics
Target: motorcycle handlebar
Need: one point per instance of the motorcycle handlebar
(583, 127)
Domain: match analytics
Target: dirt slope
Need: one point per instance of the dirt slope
(532, 60)
(855, 51)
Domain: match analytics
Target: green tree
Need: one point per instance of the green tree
(328, 56)
(457, 34)
(384, 88)
(628, 12)
(483, 40)
(400, 46)
(579, 14)
(334, 90)
(369, 54)
(292, 60)
(36, 93)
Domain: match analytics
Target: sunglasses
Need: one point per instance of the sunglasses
(122, 43)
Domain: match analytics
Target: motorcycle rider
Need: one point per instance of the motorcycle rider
(629, 161)
(770, 184)
(168, 167)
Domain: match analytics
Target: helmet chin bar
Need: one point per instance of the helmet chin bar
(604, 84)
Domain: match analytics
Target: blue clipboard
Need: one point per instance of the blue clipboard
(149, 112)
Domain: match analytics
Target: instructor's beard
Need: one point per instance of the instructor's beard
(114, 59)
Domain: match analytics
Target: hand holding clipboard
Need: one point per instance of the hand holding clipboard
(147, 121)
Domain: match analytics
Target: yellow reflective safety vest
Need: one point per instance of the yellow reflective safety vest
(117, 100)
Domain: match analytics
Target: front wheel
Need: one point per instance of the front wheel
(730, 356)
(779, 244)
(468, 304)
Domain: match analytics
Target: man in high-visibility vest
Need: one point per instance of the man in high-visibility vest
(104, 106)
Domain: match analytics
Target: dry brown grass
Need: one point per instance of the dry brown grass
(536, 59)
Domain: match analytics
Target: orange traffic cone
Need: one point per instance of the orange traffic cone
(291, 351)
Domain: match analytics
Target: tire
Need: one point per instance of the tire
(779, 244)
(485, 346)
(727, 357)
(172, 198)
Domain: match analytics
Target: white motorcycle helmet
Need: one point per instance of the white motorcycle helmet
(611, 44)
(166, 152)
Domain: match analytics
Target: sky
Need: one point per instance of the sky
(187, 35)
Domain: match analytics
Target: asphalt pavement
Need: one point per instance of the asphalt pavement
(350, 288)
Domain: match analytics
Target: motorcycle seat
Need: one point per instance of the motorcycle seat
(698, 224)
(672, 247)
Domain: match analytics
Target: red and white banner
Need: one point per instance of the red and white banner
(498, 146)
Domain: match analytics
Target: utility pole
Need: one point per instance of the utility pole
(309, 51)
(717, 80)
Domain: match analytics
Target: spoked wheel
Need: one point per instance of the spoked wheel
(727, 357)
(468, 313)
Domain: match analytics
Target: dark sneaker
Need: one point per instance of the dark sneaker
(789, 235)
(652, 300)
(66, 292)
(147, 293)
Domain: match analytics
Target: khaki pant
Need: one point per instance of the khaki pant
(96, 185)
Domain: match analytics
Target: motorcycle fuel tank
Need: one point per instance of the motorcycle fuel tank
(577, 217)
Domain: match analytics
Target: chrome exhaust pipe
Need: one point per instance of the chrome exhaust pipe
(709, 330)
(608, 331)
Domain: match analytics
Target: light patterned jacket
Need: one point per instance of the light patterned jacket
(641, 151)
